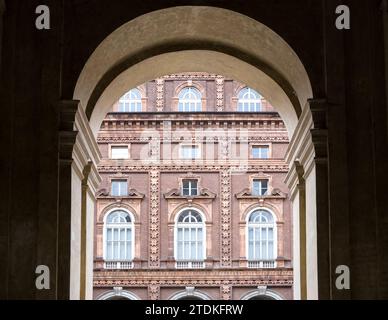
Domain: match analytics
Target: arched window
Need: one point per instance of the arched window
(119, 240)
(261, 239)
(249, 101)
(190, 100)
(131, 101)
(190, 239)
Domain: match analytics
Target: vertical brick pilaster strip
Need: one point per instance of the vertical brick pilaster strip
(154, 236)
(159, 94)
(220, 92)
(154, 292)
(225, 241)
(226, 292)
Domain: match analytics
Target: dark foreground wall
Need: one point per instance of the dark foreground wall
(39, 68)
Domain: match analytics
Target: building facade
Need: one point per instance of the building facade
(192, 203)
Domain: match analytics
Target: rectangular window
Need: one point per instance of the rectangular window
(119, 188)
(119, 152)
(260, 152)
(260, 187)
(190, 187)
(190, 152)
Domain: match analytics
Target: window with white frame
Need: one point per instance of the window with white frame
(190, 236)
(259, 187)
(119, 235)
(260, 152)
(131, 101)
(190, 151)
(261, 236)
(189, 187)
(190, 100)
(249, 100)
(119, 152)
(119, 188)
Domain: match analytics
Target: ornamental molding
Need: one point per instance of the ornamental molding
(247, 194)
(164, 167)
(210, 278)
(154, 227)
(160, 94)
(132, 194)
(199, 137)
(153, 291)
(226, 292)
(193, 75)
(220, 93)
(226, 219)
(203, 194)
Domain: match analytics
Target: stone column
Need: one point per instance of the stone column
(78, 181)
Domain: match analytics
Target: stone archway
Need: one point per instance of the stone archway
(179, 40)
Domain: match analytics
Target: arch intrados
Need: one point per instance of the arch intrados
(232, 39)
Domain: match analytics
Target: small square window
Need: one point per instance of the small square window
(259, 187)
(190, 152)
(190, 187)
(119, 152)
(260, 152)
(119, 188)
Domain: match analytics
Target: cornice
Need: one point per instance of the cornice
(211, 278)
(168, 167)
(204, 137)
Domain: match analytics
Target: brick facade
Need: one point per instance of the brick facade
(154, 172)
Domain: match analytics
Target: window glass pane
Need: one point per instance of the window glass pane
(180, 250)
(186, 235)
(186, 250)
(119, 188)
(193, 250)
(250, 251)
(109, 250)
(256, 188)
(129, 251)
(200, 251)
(116, 250)
(122, 249)
(270, 251)
(270, 233)
(119, 152)
(122, 234)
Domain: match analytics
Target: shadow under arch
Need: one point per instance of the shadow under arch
(206, 39)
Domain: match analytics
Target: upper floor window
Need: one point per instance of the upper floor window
(131, 101)
(190, 236)
(261, 236)
(249, 101)
(119, 152)
(259, 187)
(260, 152)
(190, 100)
(190, 187)
(119, 188)
(119, 235)
(190, 151)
